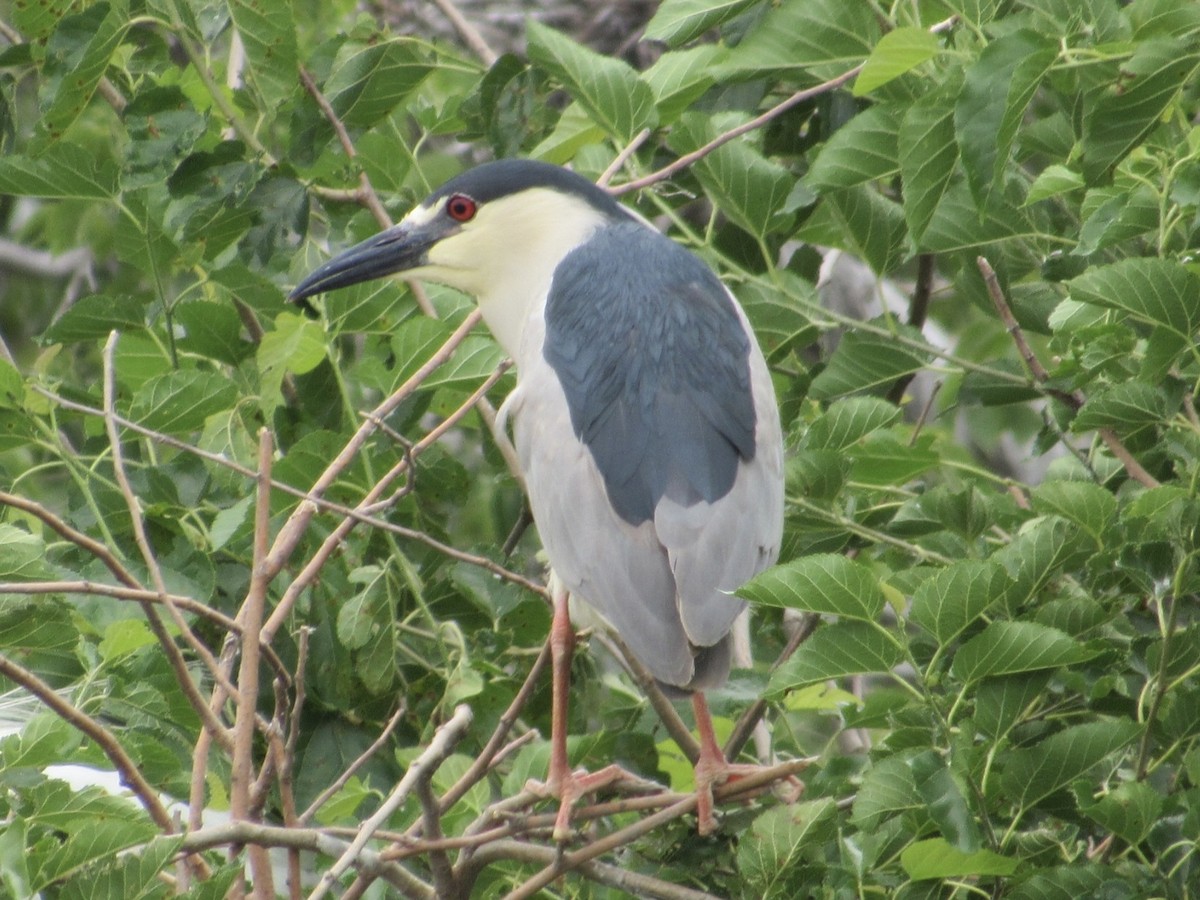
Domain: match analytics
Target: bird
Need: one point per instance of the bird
(643, 415)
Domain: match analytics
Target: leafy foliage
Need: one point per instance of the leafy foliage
(1001, 693)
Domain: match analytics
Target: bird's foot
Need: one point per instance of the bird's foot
(569, 787)
(712, 772)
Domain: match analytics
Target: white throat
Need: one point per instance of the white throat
(518, 241)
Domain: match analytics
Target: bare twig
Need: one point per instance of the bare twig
(251, 616)
(363, 758)
(625, 880)
(621, 158)
(443, 740)
(292, 530)
(508, 718)
(306, 839)
(468, 32)
(757, 122)
(359, 515)
(174, 655)
(366, 193)
(676, 727)
(1074, 399)
(753, 714)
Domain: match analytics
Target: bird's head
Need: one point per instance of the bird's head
(496, 231)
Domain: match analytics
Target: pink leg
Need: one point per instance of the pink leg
(712, 769)
(568, 786)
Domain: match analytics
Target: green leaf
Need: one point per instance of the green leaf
(1129, 811)
(368, 82)
(862, 150)
(77, 55)
(676, 22)
(1000, 703)
(474, 360)
(949, 602)
(1070, 883)
(44, 739)
(37, 20)
(986, 119)
(826, 583)
(1038, 553)
(897, 52)
(864, 362)
(135, 875)
(777, 842)
(607, 88)
(366, 624)
(1127, 408)
(1154, 291)
(927, 153)
(1053, 181)
(882, 459)
(22, 555)
(944, 801)
(1033, 773)
(1121, 116)
(748, 187)
(268, 33)
(213, 330)
(888, 789)
(178, 402)
(64, 171)
(834, 651)
(861, 221)
(296, 345)
(1006, 648)
(680, 78)
(936, 858)
(822, 38)
(1125, 215)
(92, 318)
(1087, 504)
(92, 826)
(848, 420)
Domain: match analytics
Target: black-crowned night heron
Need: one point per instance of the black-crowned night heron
(643, 416)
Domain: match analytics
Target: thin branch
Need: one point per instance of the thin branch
(131, 776)
(626, 881)
(430, 758)
(363, 758)
(142, 595)
(306, 839)
(468, 32)
(361, 517)
(508, 718)
(174, 656)
(676, 727)
(439, 861)
(757, 122)
(623, 157)
(1075, 398)
(251, 616)
(366, 192)
(753, 714)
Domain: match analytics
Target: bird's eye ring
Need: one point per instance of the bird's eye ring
(461, 208)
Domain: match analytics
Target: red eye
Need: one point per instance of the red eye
(461, 208)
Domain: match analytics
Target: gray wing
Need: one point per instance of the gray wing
(655, 366)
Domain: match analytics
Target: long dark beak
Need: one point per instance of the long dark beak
(397, 249)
